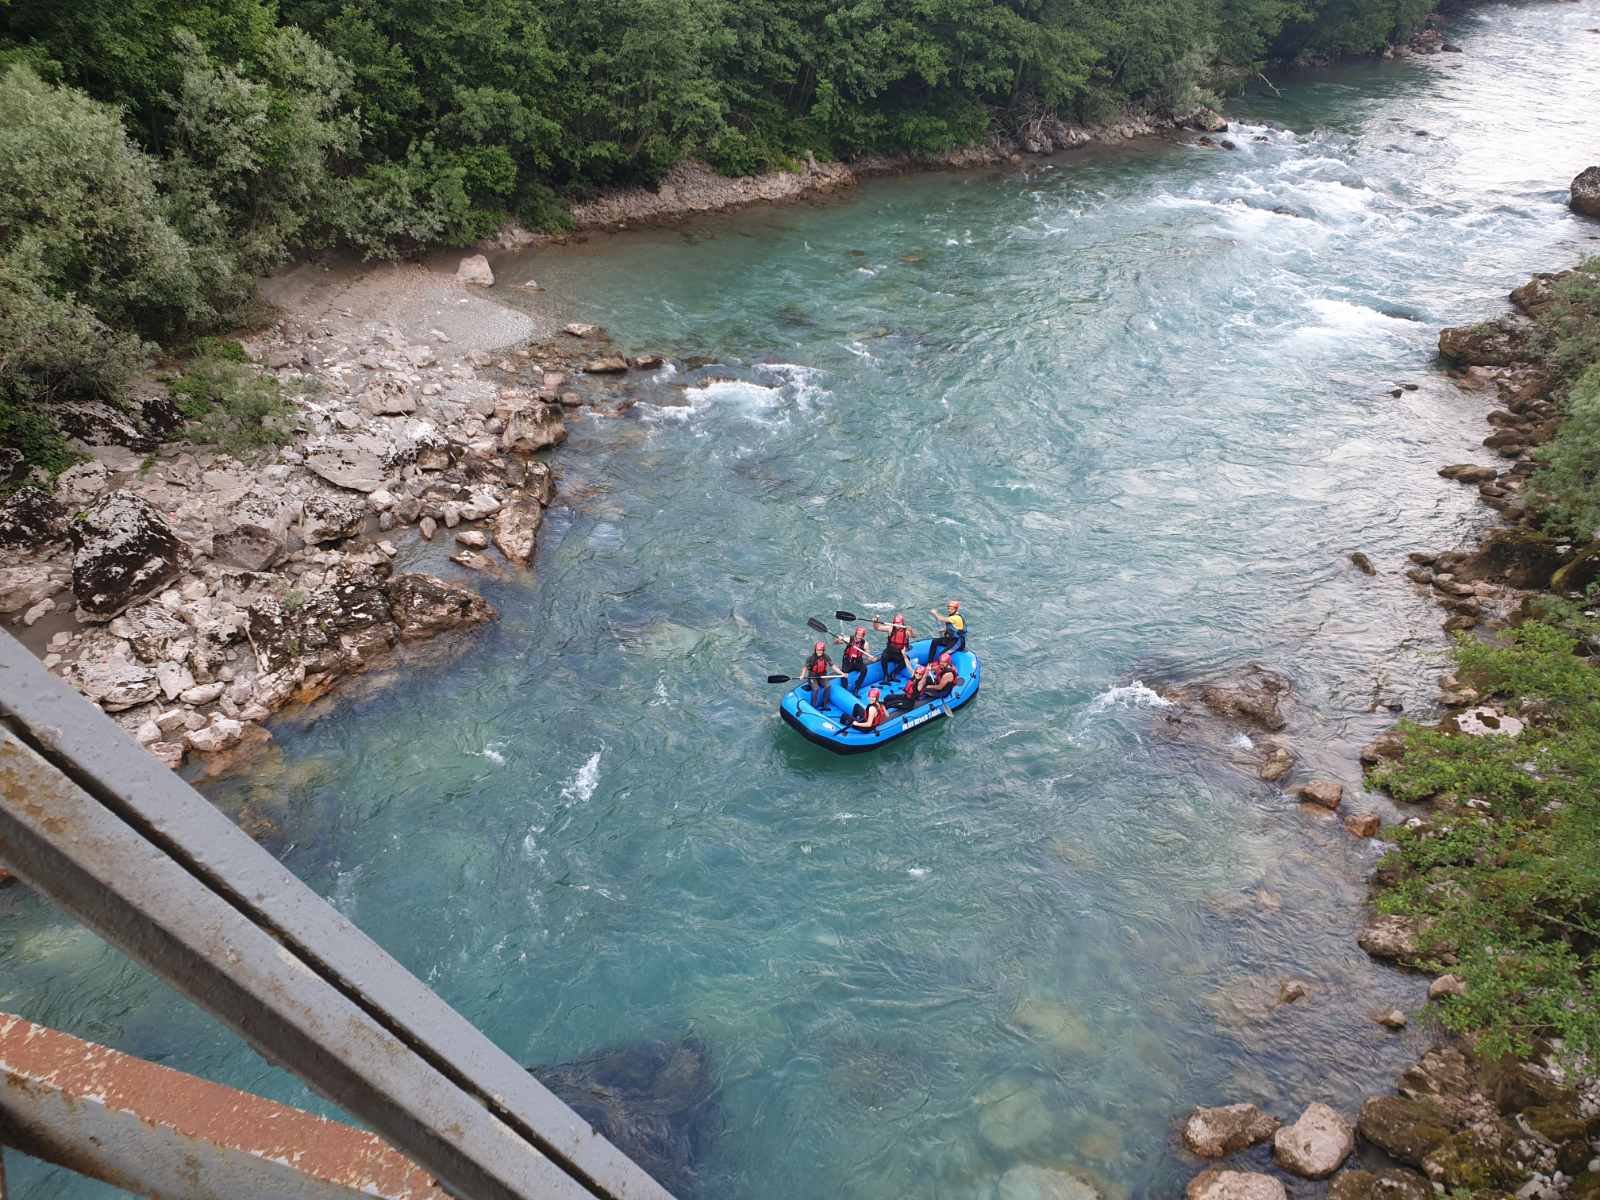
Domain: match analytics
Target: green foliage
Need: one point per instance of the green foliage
(1569, 330)
(1506, 872)
(1569, 334)
(81, 214)
(230, 404)
(249, 173)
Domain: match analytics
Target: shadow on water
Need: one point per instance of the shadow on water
(655, 1101)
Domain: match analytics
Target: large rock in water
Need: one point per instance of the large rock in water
(1217, 1184)
(654, 1101)
(516, 529)
(1586, 192)
(1218, 1132)
(1497, 343)
(424, 605)
(1315, 1145)
(1254, 696)
(123, 551)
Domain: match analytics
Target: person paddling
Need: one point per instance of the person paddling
(818, 670)
(856, 658)
(873, 715)
(954, 636)
(894, 651)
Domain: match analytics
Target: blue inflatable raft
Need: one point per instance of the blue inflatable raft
(828, 726)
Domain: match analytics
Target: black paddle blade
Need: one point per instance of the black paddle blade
(780, 678)
(841, 615)
(817, 624)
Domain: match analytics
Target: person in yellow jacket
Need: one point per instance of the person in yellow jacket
(954, 636)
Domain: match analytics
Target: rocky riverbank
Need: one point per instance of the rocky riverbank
(693, 187)
(1478, 1114)
(191, 593)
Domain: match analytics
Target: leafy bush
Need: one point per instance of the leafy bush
(80, 212)
(248, 172)
(232, 405)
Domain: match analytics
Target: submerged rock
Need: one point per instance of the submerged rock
(1217, 1184)
(654, 1101)
(1218, 1132)
(123, 552)
(1316, 1144)
(1057, 1023)
(1029, 1182)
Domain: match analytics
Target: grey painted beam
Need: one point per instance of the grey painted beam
(94, 822)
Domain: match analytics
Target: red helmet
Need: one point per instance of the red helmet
(820, 648)
(861, 632)
(944, 659)
(873, 694)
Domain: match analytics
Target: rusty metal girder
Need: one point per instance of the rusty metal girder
(154, 1131)
(97, 825)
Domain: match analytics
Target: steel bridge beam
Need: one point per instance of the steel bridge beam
(93, 822)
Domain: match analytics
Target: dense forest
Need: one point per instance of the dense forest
(157, 155)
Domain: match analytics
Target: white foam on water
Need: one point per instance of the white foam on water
(1127, 695)
(583, 784)
(1242, 742)
(917, 872)
(1344, 318)
(778, 390)
(491, 751)
(659, 697)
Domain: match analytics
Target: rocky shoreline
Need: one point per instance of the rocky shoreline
(191, 594)
(1459, 1123)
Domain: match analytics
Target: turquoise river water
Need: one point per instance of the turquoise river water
(1133, 407)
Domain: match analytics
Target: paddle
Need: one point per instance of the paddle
(795, 678)
(841, 615)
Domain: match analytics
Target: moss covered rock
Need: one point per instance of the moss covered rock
(1393, 1184)
(1406, 1129)
(1473, 1162)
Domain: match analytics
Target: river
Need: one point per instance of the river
(1131, 406)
